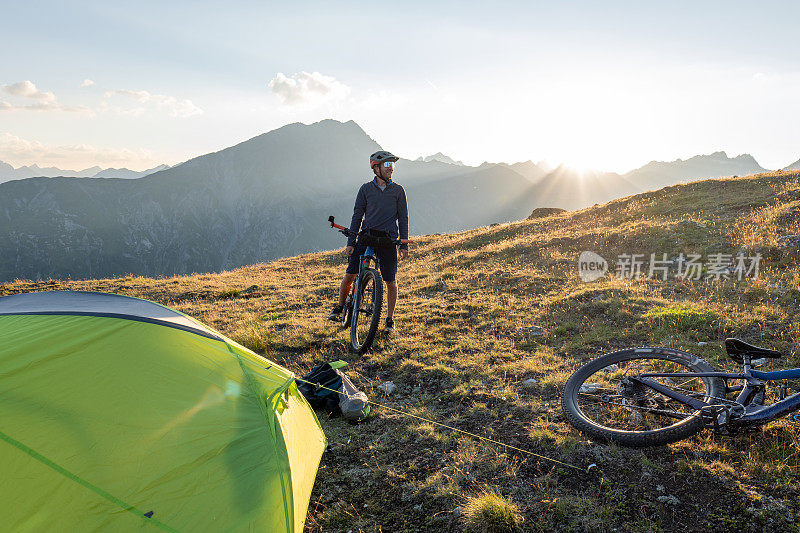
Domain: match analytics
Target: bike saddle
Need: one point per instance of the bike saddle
(738, 348)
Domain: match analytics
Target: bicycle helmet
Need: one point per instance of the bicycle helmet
(381, 156)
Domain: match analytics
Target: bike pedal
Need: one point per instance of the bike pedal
(710, 415)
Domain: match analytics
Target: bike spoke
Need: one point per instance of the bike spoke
(613, 400)
(672, 414)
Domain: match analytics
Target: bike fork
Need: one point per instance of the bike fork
(354, 294)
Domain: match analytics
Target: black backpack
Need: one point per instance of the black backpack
(318, 397)
(326, 387)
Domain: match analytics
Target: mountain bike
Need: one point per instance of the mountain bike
(652, 396)
(362, 308)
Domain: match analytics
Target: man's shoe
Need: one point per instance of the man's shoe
(389, 326)
(336, 313)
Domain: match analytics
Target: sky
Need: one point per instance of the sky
(603, 85)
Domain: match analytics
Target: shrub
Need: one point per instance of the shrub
(228, 294)
(682, 317)
(490, 512)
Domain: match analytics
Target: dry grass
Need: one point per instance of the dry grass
(489, 512)
(461, 354)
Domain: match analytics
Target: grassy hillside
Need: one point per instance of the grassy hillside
(461, 354)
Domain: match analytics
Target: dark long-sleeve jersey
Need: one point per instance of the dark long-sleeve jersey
(382, 210)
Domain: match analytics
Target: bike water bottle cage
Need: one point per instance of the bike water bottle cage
(738, 350)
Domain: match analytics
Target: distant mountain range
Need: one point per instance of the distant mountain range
(794, 166)
(532, 171)
(569, 189)
(657, 174)
(7, 172)
(439, 156)
(263, 199)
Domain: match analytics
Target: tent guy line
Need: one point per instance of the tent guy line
(457, 430)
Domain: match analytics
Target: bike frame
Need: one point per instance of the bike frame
(369, 254)
(754, 414)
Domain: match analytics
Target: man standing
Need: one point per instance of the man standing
(382, 205)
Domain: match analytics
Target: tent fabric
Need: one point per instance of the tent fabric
(100, 304)
(110, 423)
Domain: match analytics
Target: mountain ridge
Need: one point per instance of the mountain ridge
(439, 156)
(264, 198)
(8, 172)
(793, 166)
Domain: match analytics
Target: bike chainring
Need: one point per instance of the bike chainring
(719, 418)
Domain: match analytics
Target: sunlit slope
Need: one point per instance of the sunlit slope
(483, 311)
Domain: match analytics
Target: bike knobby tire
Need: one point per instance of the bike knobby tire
(603, 404)
(366, 314)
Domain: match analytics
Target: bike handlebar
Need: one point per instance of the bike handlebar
(347, 233)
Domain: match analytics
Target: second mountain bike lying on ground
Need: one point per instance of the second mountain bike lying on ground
(654, 395)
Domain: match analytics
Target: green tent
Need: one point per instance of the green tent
(119, 414)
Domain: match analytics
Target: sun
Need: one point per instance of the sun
(582, 169)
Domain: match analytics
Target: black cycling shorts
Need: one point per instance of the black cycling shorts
(387, 255)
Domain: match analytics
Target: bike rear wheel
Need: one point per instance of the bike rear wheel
(366, 314)
(603, 403)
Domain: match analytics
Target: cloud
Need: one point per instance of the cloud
(304, 88)
(46, 101)
(120, 110)
(26, 89)
(174, 107)
(18, 151)
(43, 101)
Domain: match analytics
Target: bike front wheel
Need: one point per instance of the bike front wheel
(601, 400)
(366, 314)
